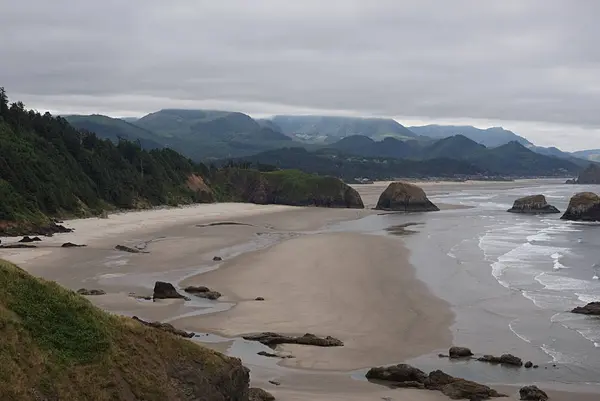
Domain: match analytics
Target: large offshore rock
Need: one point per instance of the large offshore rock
(405, 197)
(584, 206)
(534, 204)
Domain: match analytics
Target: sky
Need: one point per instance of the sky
(531, 66)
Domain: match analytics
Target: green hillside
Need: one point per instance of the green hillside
(57, 346)
(48, 168)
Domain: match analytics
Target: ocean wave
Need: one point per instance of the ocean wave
(557, 356)
(561, 283)
(521, 336)
(587, 298)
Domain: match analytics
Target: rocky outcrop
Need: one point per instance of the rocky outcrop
(456, 388)
(534, 204)
(593, 308)
(590, 175)
(584, 206)
(85, 291)
(506, 359)
(165, 327)
(203, 292)
(274, 339)
(12, 229)
(202, 192)
(532, 393)
(164, 290)
(405, 197)
(285, 187)
(258, 394)
(459, 352)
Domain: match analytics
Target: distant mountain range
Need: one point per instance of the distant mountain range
(490, 137)
(205, 135)
(324, 129)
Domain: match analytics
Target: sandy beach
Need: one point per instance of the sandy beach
(360, 288)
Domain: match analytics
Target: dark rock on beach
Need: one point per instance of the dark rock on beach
(534, 204)
(71, 245)
(84, 291)
(405, 197)
(125, 248)
(459, 352)
(397, 373)
(274, 339)
(217, 259)
(593, 308)
(272, 355)
(506, 359)
(27, 239)
(584, 206)
(165, 327)
(532, 393)
(403, 375)
(528, 365)
(164, 290)
(259, 299)
(203, 292)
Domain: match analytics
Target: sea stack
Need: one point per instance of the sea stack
(534, 204)
(590, 175)
(405, 197)
(584, 206)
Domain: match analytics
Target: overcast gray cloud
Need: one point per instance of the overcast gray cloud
(534, 64)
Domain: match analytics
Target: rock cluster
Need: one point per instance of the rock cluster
(404, 375)
(459, 352)
(164, 290)
(202, 292)
(534, 204)
(258, 394)
(405, 197)
(274, 339)
(506, 359)
(584, 206)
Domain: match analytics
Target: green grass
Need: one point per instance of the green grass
(55, 345)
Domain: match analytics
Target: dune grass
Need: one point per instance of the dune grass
(55, 345)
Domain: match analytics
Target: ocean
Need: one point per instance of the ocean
(511, 279)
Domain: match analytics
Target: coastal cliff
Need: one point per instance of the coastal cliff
(590, 175)
(405, 197)
(57, 346)
(285, 187)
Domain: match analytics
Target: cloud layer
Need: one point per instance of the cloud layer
(532, 61)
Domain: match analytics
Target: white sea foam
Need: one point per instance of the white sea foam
(587, 298)
(557, 356)
(561, 283)
(522, 337)
(591, 334)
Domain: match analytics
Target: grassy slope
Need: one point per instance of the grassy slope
(57, 346)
